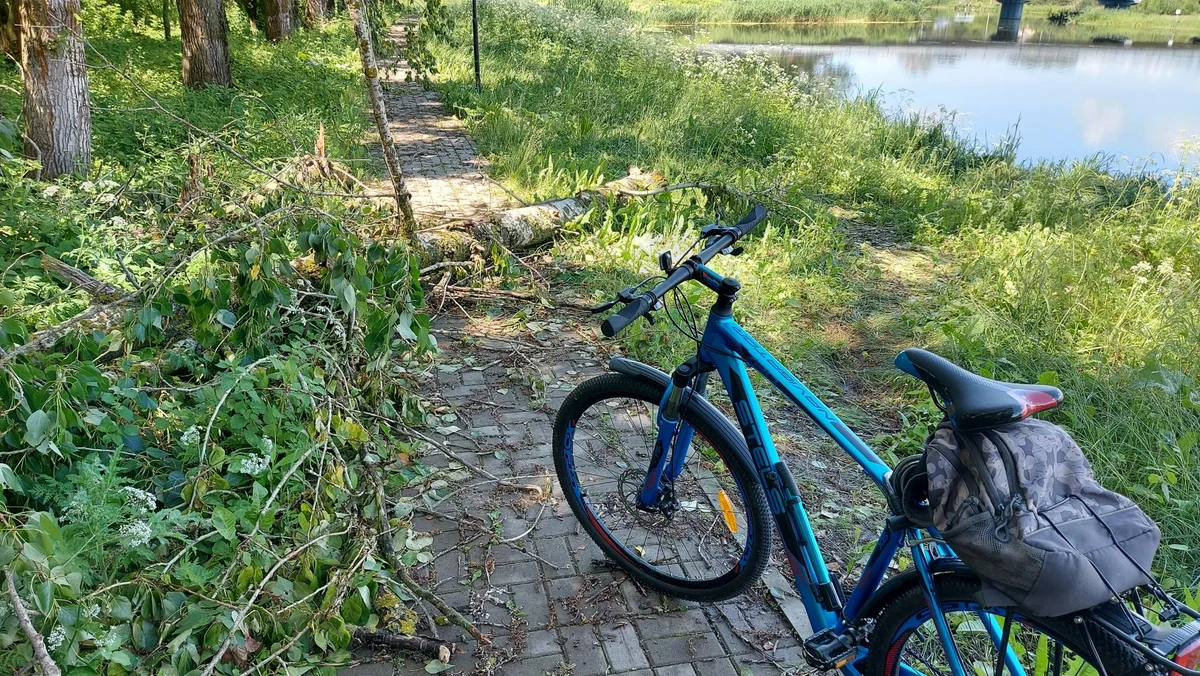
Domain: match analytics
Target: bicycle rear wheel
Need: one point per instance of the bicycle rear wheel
(714, 538)
(905, 640)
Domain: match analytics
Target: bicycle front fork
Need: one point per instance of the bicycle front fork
(674, 437)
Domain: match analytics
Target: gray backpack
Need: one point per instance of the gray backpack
(1019, 505)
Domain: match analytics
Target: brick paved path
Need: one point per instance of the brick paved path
(518, 566)
(522, 568)
(441, 163)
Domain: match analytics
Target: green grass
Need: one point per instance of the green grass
(1034, 272)
(778, 11)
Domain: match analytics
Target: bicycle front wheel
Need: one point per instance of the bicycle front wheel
(712, 538)
(905, 639)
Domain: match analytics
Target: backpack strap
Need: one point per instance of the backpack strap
(1010, 465)
(979, 463)
(955, 461)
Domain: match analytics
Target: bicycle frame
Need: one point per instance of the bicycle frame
(728, 349)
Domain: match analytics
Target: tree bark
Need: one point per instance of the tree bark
(58, 121)
(251, 9)
(366, 50)
(203, 32)
(10, 32)
(49, 668)
(281, 19)
(314, 11)
(166, 19)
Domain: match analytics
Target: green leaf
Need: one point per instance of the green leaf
(37, 427)
(9, 479)
(1041, 656)
(225, 522)
(121, 609)
(437, 666)
(226, 318)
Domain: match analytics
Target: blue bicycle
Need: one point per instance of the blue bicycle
(683, 501)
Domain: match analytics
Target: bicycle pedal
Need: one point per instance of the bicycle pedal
(826, 650)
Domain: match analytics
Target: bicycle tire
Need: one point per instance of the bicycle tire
(895, 624)
(720, 434)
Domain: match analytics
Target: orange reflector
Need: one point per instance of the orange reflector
(727, 511)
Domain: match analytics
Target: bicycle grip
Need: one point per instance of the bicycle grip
(751, 220)
(617, 322)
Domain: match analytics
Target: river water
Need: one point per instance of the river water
(1131, 100)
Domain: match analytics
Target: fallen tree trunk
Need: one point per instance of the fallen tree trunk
(529, 226)
(101, 291)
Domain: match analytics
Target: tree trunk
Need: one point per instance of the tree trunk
(203, 31)
(530, 226)
(251, 10)
(166, 19)
(281, 19)
(10, 33)
(408, 222)
(58, 122)
(314, 11)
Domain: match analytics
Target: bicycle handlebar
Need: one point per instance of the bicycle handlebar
(725, 238)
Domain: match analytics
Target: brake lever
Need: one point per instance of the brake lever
(623, 296)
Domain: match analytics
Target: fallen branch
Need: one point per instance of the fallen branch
(430, 647)
(443, 265)
(49, 668)
(101, 291)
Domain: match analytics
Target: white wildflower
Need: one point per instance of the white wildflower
(1142, 268)
(106, 198)
(1010, 288)
(1139, 280)
(91, 612)
(56, 638)
(136, 534)
(108, 184)
(190, 436)
(51, 191)
(143, 500)
(112, 640)
(255, 464)
(118, 222)
(87, 186)
(268, 446)
(1167, 267)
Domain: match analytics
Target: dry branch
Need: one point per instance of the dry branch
(366, 50)
(430, 647)
(49, 668)
(101, 291)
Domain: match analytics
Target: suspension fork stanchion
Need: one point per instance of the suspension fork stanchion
(671, 436)
(921, 561)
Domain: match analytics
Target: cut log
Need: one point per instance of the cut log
(103, 292)
(526, 227)
(430, 647)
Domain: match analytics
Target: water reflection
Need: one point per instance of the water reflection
(1065, 96)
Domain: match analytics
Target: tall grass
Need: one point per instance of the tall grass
(1059, 272)
(781, 11)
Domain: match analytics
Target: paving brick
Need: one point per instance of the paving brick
(537, 666)
(583, 650)
(673, 624)
(515, 573)
(623, 647)
(718, 667)
(534, 606)
(677, 649)
(676, 670)
(555, 551)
